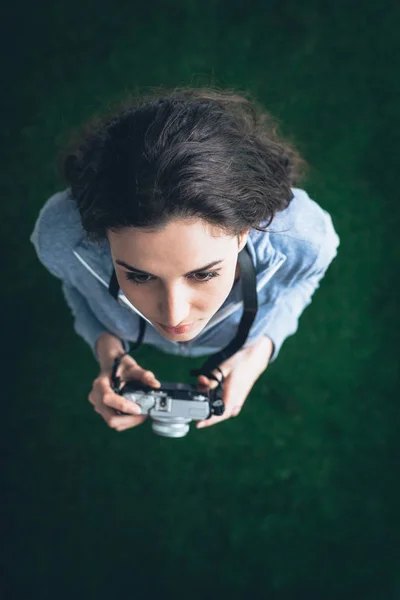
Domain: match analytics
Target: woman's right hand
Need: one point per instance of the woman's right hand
(106, 402)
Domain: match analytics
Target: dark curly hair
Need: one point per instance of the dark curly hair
(182, 153)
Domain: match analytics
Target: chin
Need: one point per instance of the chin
(191, 335)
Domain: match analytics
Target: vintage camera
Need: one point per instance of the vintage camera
(172, 406)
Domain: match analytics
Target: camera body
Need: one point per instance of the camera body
(174, 405)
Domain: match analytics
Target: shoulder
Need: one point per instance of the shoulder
(57, 230)
(304, 221)
(304, 233)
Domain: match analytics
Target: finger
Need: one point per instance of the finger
(236, 411)
(112, 400)
(131, 370)
(122, 423)
(211, 384)
(203, 383)
(116, 421)
(212, 421)
(150, 379)
(91, 398)
(138, 421)
(233, 405)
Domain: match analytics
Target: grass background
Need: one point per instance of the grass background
(297, 497)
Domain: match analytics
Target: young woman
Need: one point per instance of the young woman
(165, 191)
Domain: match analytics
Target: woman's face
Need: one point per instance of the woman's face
(173, 287)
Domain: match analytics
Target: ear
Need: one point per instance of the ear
(242, 239)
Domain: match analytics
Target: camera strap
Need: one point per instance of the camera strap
(250, 306)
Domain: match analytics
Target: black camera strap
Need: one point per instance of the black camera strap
(250, 306)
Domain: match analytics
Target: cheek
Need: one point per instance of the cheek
(137, 296)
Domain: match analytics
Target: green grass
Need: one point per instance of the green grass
(296, 498)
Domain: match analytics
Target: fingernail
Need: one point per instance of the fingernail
(236, 411)
(200, 425)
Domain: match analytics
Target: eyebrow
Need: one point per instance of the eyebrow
(135, 270)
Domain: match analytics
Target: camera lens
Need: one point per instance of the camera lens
(171, 428)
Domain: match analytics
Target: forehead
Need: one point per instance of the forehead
(179, 232)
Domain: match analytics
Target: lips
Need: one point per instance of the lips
(177, 330)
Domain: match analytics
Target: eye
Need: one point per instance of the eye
(208, 274)
(134, 277)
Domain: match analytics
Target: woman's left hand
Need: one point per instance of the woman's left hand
(241, 371)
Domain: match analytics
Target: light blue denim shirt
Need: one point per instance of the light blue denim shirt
(289, 261)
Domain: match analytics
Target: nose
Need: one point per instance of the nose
(174, 307)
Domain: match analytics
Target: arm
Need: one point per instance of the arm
(243, 368)
(50, 238)
(283, 320)
(89, 327)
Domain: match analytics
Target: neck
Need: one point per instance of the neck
(237, 272)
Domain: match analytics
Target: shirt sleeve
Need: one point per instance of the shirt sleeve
(50, 253)
(283, 320)
(86, 324)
